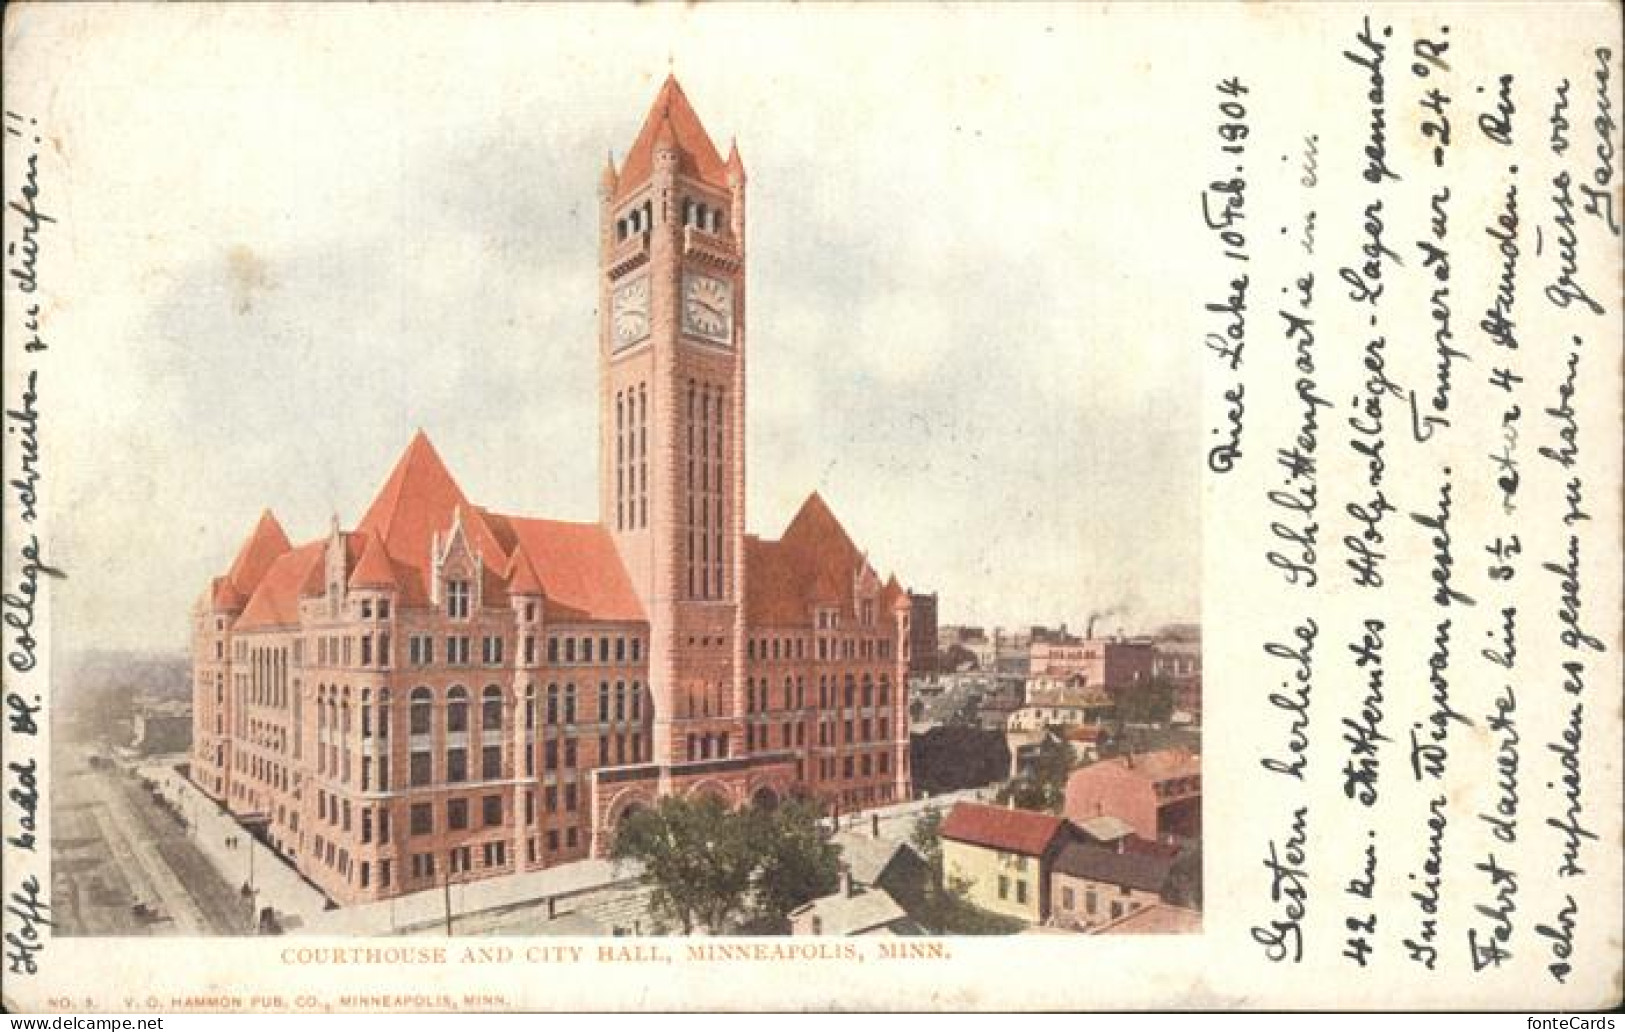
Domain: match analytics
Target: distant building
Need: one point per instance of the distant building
(1159, 793)
(1052, 635)
(1110, 663)
(922, 633)
(164, 727)
(1178, 661)
(1004, 856)
(1061, 708)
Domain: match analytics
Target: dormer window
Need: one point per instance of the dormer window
(457, 596)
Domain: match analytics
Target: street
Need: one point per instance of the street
(123, 865)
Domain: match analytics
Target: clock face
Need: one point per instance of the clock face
(708, 308)
(629, 312)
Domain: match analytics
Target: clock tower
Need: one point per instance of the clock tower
(672, 417)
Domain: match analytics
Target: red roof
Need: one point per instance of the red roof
(1161, 765)
(275, 602)
(999, 827)
(814, 563)
(578, 566)
(575, 566)
(265, 542)
(374, 570)
(522, 579)
(419, 500)
(672, 117)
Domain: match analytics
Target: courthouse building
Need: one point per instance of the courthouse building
(444, 692)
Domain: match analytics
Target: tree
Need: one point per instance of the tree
(1044, 788)
(696, 855)
(955, 756)
(795, 863)
(1152, 703)
(707, 864)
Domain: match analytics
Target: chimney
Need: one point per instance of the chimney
(847, 890)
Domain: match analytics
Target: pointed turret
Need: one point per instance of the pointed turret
(673, 126)
(736, 165)
(608, 181)
(265, 543)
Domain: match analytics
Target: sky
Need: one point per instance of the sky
(287, 240)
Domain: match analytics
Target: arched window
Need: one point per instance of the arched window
(569, 704)
(491, 709)
(383, 713)
(530, 707)
(552, 704)
(422, 707)
(456, 710)
(868, 690)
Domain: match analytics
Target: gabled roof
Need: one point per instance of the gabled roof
(420, 499)
(1142, 871)
(578, 567)
(867, 857)
(671, 118)
(275, 602)
(1004, 828)
(374, 570)
(841, 914)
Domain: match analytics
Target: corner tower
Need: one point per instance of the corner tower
(672, 413)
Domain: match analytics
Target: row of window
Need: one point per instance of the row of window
(827, 649)
(793, 696)
(850, 767)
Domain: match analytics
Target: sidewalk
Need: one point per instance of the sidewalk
(426, 911)
(897, 820)
(276, 883)
(302, 909)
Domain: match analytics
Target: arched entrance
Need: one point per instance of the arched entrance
(765, 799)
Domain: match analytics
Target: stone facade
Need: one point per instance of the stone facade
(446, 692)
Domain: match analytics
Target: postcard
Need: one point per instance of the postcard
(946, 507)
